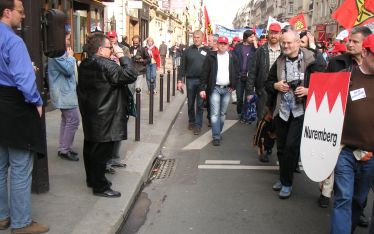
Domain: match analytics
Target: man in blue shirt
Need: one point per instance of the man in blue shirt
(21, 135)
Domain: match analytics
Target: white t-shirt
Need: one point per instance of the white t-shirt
(223, 74)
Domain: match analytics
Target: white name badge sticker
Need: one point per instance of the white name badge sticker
(203, 52)
(357, 94)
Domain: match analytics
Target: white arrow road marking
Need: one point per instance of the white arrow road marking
(227, 162)
(205, 139)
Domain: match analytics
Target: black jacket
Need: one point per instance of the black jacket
(339, 63)
(210, 68)
(103, 97)
(313, 62)
(192, 62)
(238, 52)
(258, 70)
(141, 53)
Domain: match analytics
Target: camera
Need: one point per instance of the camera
(293, 85)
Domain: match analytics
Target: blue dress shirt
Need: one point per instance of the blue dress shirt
(16, 69)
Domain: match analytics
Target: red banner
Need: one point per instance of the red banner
(354, 13)
(208, 27)
(298, 22)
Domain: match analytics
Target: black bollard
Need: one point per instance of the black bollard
(173, 93)
(168, 88)
(151, 99)
(161, 92)
(137, 119)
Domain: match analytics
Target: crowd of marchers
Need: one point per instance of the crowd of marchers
(270, 79)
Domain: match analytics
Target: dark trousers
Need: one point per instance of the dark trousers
(96, 155)
(195, 102)
(261, 104)
(207, 100)
(240, 91)
(288, 146)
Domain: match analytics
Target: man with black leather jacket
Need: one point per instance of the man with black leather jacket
(104, 102)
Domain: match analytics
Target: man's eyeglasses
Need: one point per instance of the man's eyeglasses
(108, 47)
(21, 12)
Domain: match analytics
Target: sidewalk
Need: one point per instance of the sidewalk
(69, 206)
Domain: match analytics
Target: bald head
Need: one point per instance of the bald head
(290, 43)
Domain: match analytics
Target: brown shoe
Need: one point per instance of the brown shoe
(197, 131)
(191, 126)
(32, 228)
(4, 224)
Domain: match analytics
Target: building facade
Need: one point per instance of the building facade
(317, 14)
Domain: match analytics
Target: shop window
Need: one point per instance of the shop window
(80, 24)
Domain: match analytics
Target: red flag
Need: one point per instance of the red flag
(298, 22)
(208, 27)
(369, 5)
(354, 12)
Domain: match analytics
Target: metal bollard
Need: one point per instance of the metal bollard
(168, 88)
(151, 99)
(137, 119)
(161, 92)
(173, 93)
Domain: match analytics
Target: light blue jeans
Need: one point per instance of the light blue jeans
(151, 74)
(219, 101)
(20, 163)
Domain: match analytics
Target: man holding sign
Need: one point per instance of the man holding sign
(354, 171)
(287, 86)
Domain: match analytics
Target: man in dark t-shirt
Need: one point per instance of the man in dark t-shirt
(354, 171)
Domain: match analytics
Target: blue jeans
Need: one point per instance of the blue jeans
(353, 180)
(240, 90)
(151, 74)
(219, 101)
(20, 162)
(193, 96)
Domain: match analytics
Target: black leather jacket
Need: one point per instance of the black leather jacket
(103, 97)
(210, 68)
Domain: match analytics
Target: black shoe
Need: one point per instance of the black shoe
(363, 221)
(216, 142)
(323, 201)
(73, 153)
(209, 124)
(264, 158)
(117, 164)
(110, 170)
(297, 169)
(68, 156)
(108, 193)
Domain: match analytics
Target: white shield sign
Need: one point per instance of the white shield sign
(323, 123)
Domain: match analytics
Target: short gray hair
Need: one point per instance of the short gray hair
(363, 30)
